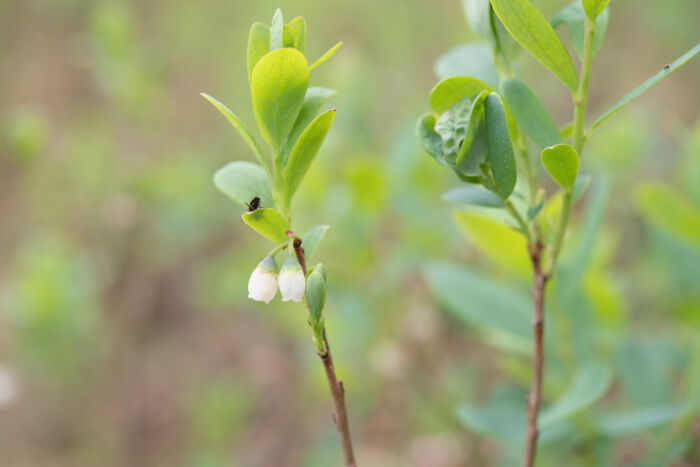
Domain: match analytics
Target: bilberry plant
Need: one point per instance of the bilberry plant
(288, 114)
(484, 126)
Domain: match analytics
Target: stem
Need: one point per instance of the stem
(521, 222)
(340, 413)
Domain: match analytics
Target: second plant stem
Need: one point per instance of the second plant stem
(542, 275)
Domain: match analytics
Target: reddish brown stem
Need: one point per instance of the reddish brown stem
(533, 400)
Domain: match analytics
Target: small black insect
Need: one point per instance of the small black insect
(667, 67)
(254, 204)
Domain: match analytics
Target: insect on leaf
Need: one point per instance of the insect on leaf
(242, 181)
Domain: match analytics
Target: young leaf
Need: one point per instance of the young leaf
(530, 113)
(279, 84)
(475, 145)
(268, 223)
(531, 29)
(326, 56)
(452, 128)
(242, 181)
(312, 238)
(313, 101)
(430, 140)
(594, 7)
(238, 125)
(277, 31)
(561, 163)
(258, 46)
(304, 152)
(296, 34)
(449, 91)
(665, 71)
(574, 17)
(473, 59)
(474, 195)
(500, 156)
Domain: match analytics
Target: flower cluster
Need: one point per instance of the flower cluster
(265, 279)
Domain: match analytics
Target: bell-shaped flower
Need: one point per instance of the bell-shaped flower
(262, 285)
(292, 280)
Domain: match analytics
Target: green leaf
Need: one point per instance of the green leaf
(580, 186)
(312, 238)
(313, 101)
(665, 71)
(594, 7)
(473, 195)
(530, 113)
(641, 419)
(279, 84)
(326, 56)
(452, 128)
(531, 29)
(475, 144)
(473, 59)
(277, 31)
(242, 181)
(449, 91)
(304, 152)
(575, 18)
(296, 34)
(561, 163)
(429, 138)
(669, 211)
(500, 156)
(258, 46)
(589, 384)
(268, 223)
(238, 125)
(505, 424)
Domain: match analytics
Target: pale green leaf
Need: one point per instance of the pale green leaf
(473, 59)
(574, 17)
(561, 163)
(500, 149)
(305, 151)
(268, 223)
(279, 84)
(258, 46)
(277, 31)
(326, 56)
(315, 98)
(594, 8)
(449, 91)
(296, 34)
(530, 113)
(242, 181)
(531, 29)
(473, 195)
(641, 419)
(312, 238)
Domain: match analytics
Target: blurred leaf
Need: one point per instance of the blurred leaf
(500, 152)
(305, 151)
(580, 186)
(473, 194)
(636, 360)
(258, 46)
(669, 211)
(530, 113)
(296, 36)
(531, 29)
(505, 424)
(313, 101)
(277, 31)
(268, 223)
(450, 91)
(26, 132)
(279, 84)
(326, 56)
(574, 17)
(594, 7)
(589, 384)
(500, 243)
(641, 419)
(473, 59)
(561, 163)
(474, 148)
(312, 238)
(242, 181)
(665, 71)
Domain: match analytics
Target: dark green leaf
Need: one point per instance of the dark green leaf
(474, 195)
(530, 113)
(268, 223)
(500, 152)
(574, 17)
(242, 181)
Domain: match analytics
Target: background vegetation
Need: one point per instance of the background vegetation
(126, 337)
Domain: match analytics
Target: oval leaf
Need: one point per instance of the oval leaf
(278, 87)
(268, 223)
(474, 59)
(313, 101)
(242, 181)
(304, 152)
(500, 156)
(297, 34)
(449, 91)
(531, 29)
(258, 46)
(561, 163)
(530, 113)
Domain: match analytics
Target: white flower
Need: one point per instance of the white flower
(262, 285)
(292, 281)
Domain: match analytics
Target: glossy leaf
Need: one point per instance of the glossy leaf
(295, 34)
(268, 223)
(473, 195)
(238, 125)
(473, 59)
(594, 8)
(449, 91)
(312, 239)
(326, 56)
(279, 84)
(475, 144)
(530, 113)
(258, 46)
(242, 181)
(574, 17)
(561, 163)
(277, 31)
(669, 211)
(500, 152)
(314, 100)
(305, 151)
(665, 71)
(531, 29)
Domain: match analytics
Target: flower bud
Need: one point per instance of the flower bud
(262, 285)
(292, 281)
(316, 292)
